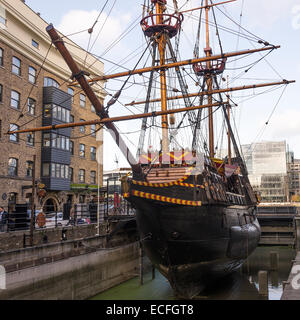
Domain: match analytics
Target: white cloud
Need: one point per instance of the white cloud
(286, 124)
(267, 12)
(79, 20)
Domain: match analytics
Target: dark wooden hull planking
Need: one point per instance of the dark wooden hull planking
(194, 246)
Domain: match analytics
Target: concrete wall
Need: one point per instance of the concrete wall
(14, 240)
(68, 270)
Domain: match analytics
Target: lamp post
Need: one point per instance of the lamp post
(98, 158)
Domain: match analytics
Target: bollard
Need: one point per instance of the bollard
(274, 279)
(153, 272)
(274, 260)
(263, 284)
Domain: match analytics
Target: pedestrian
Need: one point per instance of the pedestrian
(3, 219)
(71, 219)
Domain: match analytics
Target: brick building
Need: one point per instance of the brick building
(34, 92)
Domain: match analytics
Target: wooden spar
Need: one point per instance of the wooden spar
(114, 119)
(79, 75)
(163, 82)
(177, 64)
(209, 83)
(253, 86)
(208, 6)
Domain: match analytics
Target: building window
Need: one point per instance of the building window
(68, 116)
(67, 172)
(2, 17)
(61, 113)
(53, 170)
(15, 136)
(53, 140)
(93, 153)
(16, 66)
(31, 75)
(31, 106)
(82, 198)
(72, 147)
(63, 142)
(1, 57)
(15, 99)
(57, 170)
(82, 150)
(82, 128)
(71, 174)
(56, 111)
(47, 110)
(93, 177)
(93, 130)
(81, 176)
(67, 143)
(57, 141)
(12, 167)
(30, 139)
(46, 170)
(29, 168)
(72, 120)
(35, 43)
(71, 93)
(12, 198)
(1, 92)
(63, 173)
(49, 82)
(46, 139)
(93, 109)
(82, 100)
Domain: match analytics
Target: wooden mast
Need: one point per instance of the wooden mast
(209, 83)
(161, 40)
(163, 85)
(228, 132)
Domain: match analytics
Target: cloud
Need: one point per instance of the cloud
(286, 124)
(267, 12)
(80, 20)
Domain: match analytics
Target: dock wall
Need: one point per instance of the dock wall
(71, 270)
(78, 265)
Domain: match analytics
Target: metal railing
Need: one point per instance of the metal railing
(18, 217)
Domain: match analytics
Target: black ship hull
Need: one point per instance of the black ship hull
(194, 246)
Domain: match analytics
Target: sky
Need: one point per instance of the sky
(275, 21)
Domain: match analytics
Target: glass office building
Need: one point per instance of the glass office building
(267, 164)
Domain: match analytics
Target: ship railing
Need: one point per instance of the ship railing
(170, 23)
(217, 67)
(236, 198)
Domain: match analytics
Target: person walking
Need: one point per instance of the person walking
(72, 216)
(3, 219)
